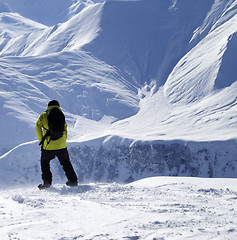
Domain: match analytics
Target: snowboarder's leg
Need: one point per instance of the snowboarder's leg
(64, 159)
(46, 157)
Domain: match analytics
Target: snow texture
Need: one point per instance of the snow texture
(150, 209)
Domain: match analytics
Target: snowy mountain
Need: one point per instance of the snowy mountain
(148, 87)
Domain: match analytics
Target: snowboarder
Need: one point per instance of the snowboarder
(51, 130)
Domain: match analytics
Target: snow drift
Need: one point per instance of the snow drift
(123, 71)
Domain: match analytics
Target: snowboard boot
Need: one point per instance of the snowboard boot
(71, 184)
(44, 186)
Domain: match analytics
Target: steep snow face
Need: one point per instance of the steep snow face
(227, 69)
(145, 39)
(46, 12)
(198, 100)
(195, 75)
(68, 36)
(14, 25)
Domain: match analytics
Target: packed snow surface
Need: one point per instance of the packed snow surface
(150, 209)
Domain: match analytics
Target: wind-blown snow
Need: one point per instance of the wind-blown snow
(155, 208)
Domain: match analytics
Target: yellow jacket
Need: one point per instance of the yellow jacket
(42, 126)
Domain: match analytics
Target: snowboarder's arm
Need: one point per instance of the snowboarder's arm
(38, 128)
(65, 128)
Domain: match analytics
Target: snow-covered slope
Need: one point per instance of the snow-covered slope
(148, 71)
(47, 12)
(70, 35)
(195, 75)
(155, 208)
(147, 38)
(85, 87)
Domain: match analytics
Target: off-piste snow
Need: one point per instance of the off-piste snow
(150, 209)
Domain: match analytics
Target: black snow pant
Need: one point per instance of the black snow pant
(63, 157)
